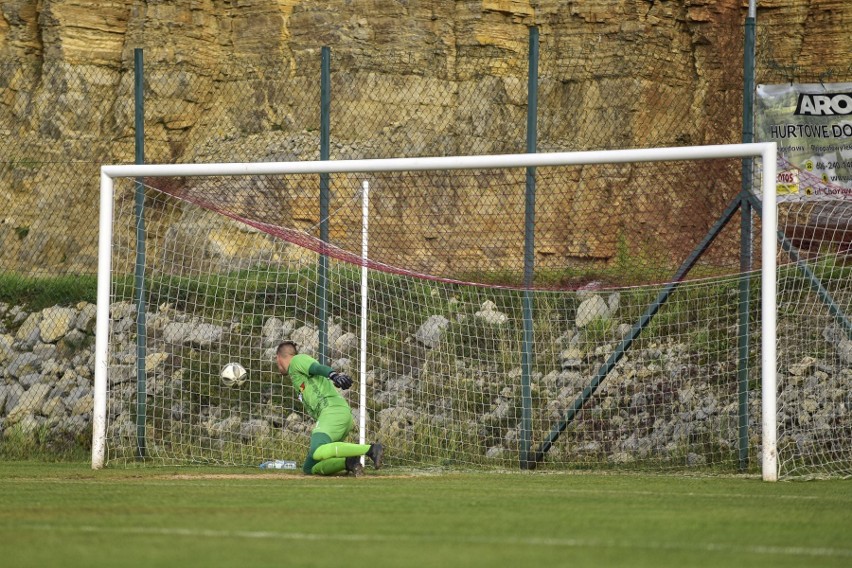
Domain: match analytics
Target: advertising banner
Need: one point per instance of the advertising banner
(812, 124)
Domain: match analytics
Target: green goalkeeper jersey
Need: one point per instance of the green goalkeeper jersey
(315, 391)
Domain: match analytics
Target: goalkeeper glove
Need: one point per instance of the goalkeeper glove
(340, 380)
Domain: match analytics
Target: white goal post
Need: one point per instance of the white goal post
(766, 152)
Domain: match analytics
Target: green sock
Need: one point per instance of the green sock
(329, 466)
(340, 450)
(317, 440)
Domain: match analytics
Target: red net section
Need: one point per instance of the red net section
(611, 225)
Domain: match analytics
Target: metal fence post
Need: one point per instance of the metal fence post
(139, 272)
(526, 461)
(325, 135)
(745, 240)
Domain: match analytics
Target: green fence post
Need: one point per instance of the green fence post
(745, 240)
(139, 272)
(325, 136)
(529, 258)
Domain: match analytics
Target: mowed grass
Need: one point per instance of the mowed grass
(67, 515)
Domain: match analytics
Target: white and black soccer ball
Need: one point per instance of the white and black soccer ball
(233, 375)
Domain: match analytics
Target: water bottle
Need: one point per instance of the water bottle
(278, 464)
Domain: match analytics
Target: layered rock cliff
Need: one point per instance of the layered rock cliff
(239, 81)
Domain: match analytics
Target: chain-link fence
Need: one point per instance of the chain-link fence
(603, 86)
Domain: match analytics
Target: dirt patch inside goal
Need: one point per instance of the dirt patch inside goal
(279, 476)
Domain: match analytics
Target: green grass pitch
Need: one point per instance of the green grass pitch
(67, 515)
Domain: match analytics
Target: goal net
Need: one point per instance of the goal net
(587, 310)
(814, 326)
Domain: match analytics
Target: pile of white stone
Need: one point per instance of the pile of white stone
(46, 371)
(652, 405)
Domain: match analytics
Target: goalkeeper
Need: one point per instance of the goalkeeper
(316, 385)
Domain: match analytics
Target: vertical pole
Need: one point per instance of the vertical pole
(745, 240)
(325, 138)
(365, 240)
(102, 323)
(526, 461)
(743, 332)
(139, 209)
(769, 237)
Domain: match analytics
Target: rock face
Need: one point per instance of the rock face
(239, 81)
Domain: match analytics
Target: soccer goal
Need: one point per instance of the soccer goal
(583, 310)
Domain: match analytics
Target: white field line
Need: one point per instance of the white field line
(757, 549)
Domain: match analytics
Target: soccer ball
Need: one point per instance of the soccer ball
(233, 374)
